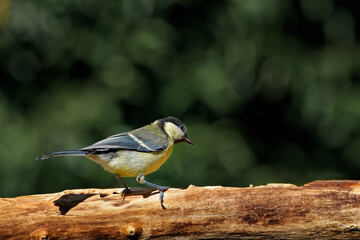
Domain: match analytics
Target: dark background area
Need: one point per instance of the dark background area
(269, 90)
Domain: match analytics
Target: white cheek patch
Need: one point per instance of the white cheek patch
(173, 131)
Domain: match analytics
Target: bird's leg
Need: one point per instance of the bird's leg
(126, 190)
(141, 179)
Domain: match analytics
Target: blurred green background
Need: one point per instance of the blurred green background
(269, 90)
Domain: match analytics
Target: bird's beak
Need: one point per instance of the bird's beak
(186, 139)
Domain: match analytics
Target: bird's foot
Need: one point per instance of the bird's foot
(161, 191)
(125, 192)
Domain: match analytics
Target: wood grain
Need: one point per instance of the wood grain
(318, 210)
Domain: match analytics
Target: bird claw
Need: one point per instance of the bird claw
(161, 192)
(125, 192)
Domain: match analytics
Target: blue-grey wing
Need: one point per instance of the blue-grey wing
(144, 139)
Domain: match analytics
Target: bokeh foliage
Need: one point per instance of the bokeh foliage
(269, 90)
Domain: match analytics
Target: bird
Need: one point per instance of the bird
(136, 153)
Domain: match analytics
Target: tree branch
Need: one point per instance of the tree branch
(318, 210)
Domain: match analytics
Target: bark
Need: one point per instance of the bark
(318, 210)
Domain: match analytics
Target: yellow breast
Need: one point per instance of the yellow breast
(127, 163)
(156, 164)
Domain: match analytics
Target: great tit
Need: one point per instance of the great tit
(136, 153)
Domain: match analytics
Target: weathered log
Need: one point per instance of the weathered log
(318, 210)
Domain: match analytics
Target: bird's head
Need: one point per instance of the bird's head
(174, 128)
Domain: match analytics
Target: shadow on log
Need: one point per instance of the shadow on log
(318, 210)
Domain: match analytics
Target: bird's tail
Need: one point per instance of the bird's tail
(62, 153)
